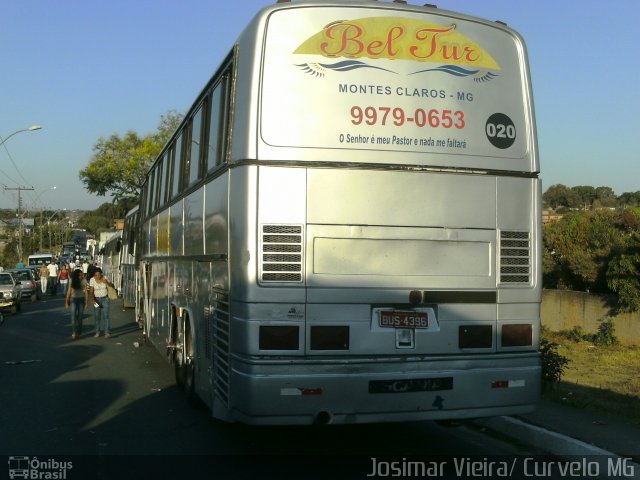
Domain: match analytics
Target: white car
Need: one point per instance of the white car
(10, 292)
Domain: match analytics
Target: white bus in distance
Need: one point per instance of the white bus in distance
(37, 259)
(346, 226)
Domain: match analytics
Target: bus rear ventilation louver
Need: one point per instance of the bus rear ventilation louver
(281, 256)
(218, 335)
(515, 257)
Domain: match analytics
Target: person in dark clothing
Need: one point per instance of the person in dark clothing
(77, 299)
(91, 270)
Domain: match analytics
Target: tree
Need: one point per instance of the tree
(583, 197)
(623, 277)
(623, 272)
(629, 199)
(578, 249)
(119, 165)
(556, 196)
(606, 196)
(103, 218)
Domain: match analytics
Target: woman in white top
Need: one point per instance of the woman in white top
(99, 293)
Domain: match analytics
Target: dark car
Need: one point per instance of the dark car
(10, 292)
(30, 282)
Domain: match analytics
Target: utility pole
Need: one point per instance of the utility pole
(19, 189)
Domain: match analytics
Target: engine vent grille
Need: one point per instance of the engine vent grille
(515, 257)
(281, 253)
(221, 341)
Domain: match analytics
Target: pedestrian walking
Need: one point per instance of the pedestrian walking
(44, 275)
(53, 277)
(91, 269)
(76, 299)
(63, 279)
(99, 293)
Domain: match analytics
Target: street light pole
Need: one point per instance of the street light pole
(2, 141)
(48, 223)
(19, 189)
(41, 222)
(30, 129)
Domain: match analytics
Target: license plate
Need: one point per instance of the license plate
(411, 385)
(403, 319)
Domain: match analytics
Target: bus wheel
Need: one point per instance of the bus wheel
(177, 354)
(188, 366)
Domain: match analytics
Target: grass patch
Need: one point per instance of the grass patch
(605, 379)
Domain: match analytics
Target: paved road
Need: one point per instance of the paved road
(114, 403)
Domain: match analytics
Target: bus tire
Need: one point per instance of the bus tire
(176, 353)
(188, 366)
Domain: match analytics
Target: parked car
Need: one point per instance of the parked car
(30, 282)
(10, 292)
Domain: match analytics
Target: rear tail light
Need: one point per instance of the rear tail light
(330, 337)
(279, 337)
(517, 383)
(517, 335)
(475, 336)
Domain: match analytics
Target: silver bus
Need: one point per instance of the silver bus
(346, 226)
(128, 270)
(110, 259)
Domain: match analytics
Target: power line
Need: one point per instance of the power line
(11, 158)
(19, 189)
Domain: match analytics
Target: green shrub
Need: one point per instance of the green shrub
(576, 334)
(553, 364)
(606, 333)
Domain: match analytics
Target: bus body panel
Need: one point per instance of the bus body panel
(395, 112)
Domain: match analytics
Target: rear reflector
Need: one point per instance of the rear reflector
(517, 335)
(508, 384)
(279, 337)
(294, 392)
(475, 336)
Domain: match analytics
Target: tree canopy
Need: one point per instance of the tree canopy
(103, 218)
(585, 197)
(119, 164)
(597, 251)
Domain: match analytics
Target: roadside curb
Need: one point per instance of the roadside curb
(554, 443)
(538, 437)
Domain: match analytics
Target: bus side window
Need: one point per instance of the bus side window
(177, 168)
(216, 126)
(150, 193)
(169, 174)
(159, 184)
(195, 150)
(186, 154)
(164, 164)
(144, 195)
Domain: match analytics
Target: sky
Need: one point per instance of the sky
(85, 69)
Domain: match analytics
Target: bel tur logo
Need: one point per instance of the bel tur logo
(442, 47)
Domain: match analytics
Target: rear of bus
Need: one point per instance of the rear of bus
(388, 268)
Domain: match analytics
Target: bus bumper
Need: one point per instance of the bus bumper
(377, 391)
